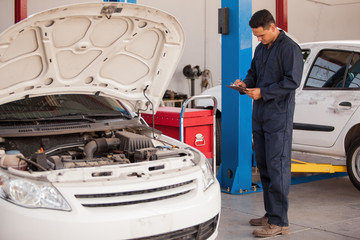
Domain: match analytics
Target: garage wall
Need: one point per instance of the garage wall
(35, 6)
(315, 21)
(202, 46)
(308, 21)
(7, 15)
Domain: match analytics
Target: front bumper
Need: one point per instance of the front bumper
(180, 214)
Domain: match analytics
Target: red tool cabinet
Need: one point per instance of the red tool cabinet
(198, 126)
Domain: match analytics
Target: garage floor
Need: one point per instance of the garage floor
(326, 209)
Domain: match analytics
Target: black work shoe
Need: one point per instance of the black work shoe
(259, 221)
(270, 230)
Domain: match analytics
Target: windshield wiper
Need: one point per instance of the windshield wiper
(66, 117)
(69, 116)
(119, 114)
(92, 117)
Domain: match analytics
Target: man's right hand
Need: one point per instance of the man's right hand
(239, 83)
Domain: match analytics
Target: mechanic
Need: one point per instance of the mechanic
(271, 82)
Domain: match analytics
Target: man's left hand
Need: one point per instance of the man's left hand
(254, 93)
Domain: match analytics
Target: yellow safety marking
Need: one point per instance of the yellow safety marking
(301, 166)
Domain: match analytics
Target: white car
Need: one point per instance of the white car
(327, 114)
(75, 161)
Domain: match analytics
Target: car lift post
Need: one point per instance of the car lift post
(235, 172)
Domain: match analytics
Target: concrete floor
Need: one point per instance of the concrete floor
(326, 209)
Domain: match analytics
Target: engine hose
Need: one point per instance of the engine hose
(100, 145)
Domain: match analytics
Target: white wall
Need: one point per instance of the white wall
(35, 6)
(202, 45)
(307, 21)
(7, 15)
(310, 21)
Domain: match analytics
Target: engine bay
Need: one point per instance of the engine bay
(76, 150)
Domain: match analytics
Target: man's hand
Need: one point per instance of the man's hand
(239, 83)
(254, 93)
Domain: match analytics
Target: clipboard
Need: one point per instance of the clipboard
(240, 89)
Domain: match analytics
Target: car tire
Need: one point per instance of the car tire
(353, 163)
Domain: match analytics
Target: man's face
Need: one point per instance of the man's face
(265, 36)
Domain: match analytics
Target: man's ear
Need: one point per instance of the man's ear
(272, 27)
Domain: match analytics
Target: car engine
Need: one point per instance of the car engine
(82, 150)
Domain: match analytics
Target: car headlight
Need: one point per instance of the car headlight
(31, 194)
(208, 176)
(206, 169)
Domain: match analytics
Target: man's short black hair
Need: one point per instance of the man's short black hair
(261, 18)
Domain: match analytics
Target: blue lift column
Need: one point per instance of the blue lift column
(235, 173)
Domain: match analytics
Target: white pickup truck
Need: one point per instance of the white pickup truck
(327, 115)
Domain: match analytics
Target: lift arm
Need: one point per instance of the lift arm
(300, 166)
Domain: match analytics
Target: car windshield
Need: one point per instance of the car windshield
(68, 105)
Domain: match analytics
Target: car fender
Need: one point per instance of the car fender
(345, 138)
(215, 92)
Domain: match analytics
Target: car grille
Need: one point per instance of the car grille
(199, 232)
(136, 197)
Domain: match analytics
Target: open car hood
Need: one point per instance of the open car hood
(114, 49)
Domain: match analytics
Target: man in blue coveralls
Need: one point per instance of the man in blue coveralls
(271, 82)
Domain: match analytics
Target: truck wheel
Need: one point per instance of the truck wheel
(353, 163)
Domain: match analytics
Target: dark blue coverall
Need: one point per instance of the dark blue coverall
(277, 72)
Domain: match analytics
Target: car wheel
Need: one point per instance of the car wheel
(353, 163)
